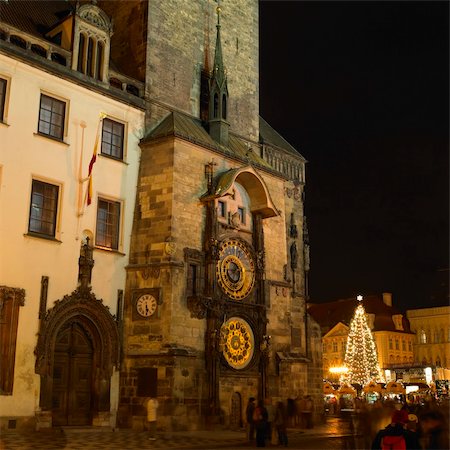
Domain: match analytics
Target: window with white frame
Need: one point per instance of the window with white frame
(43, 208)
(108, 224)
(112, 138)
(51, 117)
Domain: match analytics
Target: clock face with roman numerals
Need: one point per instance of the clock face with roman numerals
(235, 269)
(146, 305)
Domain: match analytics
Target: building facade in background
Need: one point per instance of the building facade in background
(155, 242)
(390, 328)
(432, 338)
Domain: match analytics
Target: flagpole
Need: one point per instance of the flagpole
(80, 173)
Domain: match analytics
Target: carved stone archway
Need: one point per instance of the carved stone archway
(86, 311)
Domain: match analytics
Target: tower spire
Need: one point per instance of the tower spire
(218, 99)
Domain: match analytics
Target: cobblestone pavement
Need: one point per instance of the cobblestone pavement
(327, 436)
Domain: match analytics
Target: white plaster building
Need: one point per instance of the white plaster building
(50, 118)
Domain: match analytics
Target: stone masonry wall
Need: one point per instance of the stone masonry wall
(175, 59)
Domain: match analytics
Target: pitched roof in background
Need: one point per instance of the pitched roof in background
(267, 135)
(34, 17)
(327, 315)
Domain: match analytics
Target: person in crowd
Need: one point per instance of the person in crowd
(249, 418)
(395, 435)
(152, 408)
(260, 420)
(280, 423)
(270, 417)
(434, 430)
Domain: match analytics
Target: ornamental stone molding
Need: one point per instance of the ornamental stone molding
(95, 16)
(93, 316)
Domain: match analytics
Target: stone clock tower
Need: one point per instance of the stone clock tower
(214, 307)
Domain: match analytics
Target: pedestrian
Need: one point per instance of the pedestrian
(152, 407)
(260, 420)
(270, 417)
(280, 423)
(309, 411)
(395, 436)
(250, 425)
(434, 430)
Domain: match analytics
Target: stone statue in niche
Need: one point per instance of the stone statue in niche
(294, 255)
(293, 233)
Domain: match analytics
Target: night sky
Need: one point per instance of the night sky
(360, 89)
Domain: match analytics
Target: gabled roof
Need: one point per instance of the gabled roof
(34, 17)
(190, 128)
(340, 329)
(330, 313)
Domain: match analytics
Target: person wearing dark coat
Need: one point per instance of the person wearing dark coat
(260, 417)
(395, 432)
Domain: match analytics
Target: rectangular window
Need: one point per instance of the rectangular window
(410, 346)
(335, 347)
(192, 280)
(241, 212)
(108, 224)
(2, 98)
(51, 117)
(396, 344)
(43, 208)
(221, 209)
(147, 382)
(112, 138)
(390, 343)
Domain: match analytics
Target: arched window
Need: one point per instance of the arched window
(81, 50)
(216, 106)
(99, 61)
(422, 337)
(224, 107)
(90, 58)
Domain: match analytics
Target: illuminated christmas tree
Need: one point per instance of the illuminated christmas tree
(361, 357)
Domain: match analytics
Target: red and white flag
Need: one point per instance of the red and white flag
(93, 159)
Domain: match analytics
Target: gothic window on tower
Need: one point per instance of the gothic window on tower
(51, 117)
(224, 107)
(43, 209)
(112, 139)
(216, 106)
(108, 224)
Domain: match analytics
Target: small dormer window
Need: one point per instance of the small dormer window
(92, 34)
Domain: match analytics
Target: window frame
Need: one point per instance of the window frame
(4, 90)
(221, 209)
(62, 125)
(115, 241)
(103, 143)
(55, 212)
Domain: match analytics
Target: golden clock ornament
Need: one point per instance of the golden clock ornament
(238, 342)
(235, 269)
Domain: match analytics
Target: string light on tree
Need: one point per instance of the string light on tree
(361, 353)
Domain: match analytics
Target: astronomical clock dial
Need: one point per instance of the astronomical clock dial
(238, 342)
(146, 305)
(235, 269)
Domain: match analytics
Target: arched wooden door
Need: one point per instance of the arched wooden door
(236, 411)
(72, 377)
